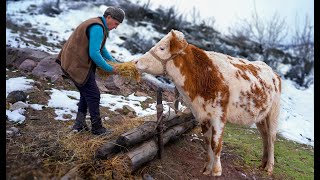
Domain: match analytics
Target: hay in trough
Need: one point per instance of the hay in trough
(126, 69)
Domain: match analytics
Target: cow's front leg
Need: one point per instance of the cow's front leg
(213, 135)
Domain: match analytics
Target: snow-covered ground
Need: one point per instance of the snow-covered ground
(297, 106)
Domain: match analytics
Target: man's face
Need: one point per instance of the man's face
(112, 23)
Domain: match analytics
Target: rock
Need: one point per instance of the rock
(15, 56)
(101, 86)
(110, 83)
(147, 177)
(139, 93)
(132, 114)
(12, 132)
(127, 110)
(18, 105)
(27, 65)
(49, 69)
(16, 96)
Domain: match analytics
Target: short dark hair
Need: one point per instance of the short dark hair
(115, 12)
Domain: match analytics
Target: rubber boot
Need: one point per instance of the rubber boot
(80, 123)
(97, 128)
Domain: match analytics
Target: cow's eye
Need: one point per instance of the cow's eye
(161, 48)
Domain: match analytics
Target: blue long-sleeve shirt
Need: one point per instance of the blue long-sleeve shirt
(95, 33)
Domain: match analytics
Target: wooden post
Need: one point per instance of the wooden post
(160, 122)
(176, 102)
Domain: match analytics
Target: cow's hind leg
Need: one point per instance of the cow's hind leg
(207, 132)
(263, 128)
(272, 123)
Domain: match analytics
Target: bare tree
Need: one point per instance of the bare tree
(303, 45)
(195, 15)
(268, 33)
(303, 40)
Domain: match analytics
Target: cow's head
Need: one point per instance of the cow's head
(154, 61)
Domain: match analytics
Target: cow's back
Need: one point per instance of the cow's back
(253, 87)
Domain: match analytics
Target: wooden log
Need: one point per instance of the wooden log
(148, 150)
(147, 130)
(107, 150)
(140, 134)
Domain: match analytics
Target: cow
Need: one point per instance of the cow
(218, 89)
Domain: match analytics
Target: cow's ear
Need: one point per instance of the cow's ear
(175, 44)
(173, 34)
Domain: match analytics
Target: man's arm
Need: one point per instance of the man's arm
(95, 42)
(105, 53)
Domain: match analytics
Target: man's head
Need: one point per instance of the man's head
(114, 17)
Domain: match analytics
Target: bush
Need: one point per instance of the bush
(137, 44)
(50, 8)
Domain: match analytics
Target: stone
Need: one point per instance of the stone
(16, 96)
(27, 65)
(48, 69)
(18, 105)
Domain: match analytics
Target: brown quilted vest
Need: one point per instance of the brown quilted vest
(74, 55)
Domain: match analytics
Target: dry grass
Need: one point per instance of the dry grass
(84, 145)
(126, 69)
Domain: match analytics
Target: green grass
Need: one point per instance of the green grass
(292, 160)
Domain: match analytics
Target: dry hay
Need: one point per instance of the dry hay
(126, 69)
(84, 146)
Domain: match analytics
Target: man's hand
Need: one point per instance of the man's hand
(115, 70)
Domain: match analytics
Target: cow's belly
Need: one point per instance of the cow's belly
(246, 114)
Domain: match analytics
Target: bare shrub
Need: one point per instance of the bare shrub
(194, 15)
(136, 13)
(269, 33)
(50, 8)
(303, 45)
(137, 44)
(169, 19)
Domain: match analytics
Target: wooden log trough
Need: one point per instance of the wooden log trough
(141, 144)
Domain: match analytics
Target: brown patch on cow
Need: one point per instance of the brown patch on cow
(274, 84)
(205, 125)
(229, 57)
(243, 75)
(204, 107)
(279, 86)
(242, 61)
(202, 77)
(244, 68)
(219, 146)
(237, 75)
(258, 96)
(213, 144)
(209, 114)
(175, 44)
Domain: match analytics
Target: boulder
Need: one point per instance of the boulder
(27, 65)
(16, 96)
(48, 69)
(15, 56)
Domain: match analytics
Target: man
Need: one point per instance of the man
(79, 57)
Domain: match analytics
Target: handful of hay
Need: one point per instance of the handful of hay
(126, 69)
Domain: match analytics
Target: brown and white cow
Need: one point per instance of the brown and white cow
(219, 88)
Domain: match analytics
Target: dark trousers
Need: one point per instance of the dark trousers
(90, 97)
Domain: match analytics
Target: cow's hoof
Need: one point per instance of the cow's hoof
(269, 169)
(217, 173)
(263, 165)
(207, 173)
